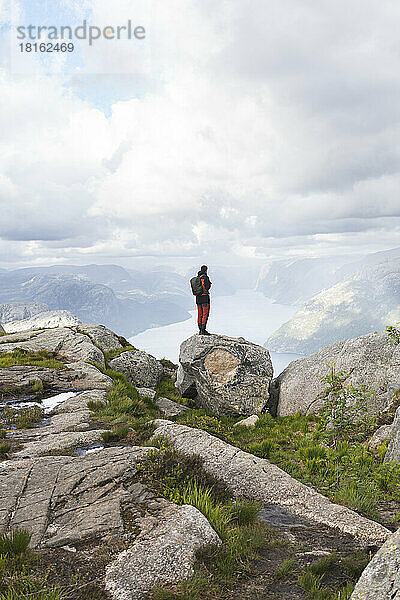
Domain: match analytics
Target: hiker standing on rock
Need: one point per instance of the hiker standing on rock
(200, 288)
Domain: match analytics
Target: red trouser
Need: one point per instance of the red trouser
(203, 311)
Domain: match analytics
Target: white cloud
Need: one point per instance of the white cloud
(251, 128)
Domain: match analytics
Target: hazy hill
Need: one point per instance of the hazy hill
(366, 301)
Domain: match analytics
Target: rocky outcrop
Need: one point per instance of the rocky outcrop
(76, 347)
(139, 368)
(366, 301)
(369, 360)
(48, 319)
(256, 478)
(393, 451)
(380, 579)
(164, 552)
(67, 428)
(66, 500)
(381, 435)
(169, 408)
(79, 376)
(102, 337)
(228, 376)
(66, 342)
(18, 311)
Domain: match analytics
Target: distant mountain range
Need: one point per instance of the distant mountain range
(126, 300)
(129, 301)
(365, 299)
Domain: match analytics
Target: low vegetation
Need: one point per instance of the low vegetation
(21, 574)
(394, 334)
(20, 418)
(182, 479)
(19, 356)
(117, 351)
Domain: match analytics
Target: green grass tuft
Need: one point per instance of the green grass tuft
(19, 356)
(14, 542)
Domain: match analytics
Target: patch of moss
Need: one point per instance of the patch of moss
(19, 356)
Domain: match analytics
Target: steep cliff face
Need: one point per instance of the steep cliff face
(367, 302)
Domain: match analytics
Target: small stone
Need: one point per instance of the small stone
(169, 408)
(382, 434)
(249, 422)
(146, 393)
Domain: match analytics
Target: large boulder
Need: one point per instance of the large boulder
(251, 477)
(380, 580)
(163, 553)
(393, 451)
(369, 359)
(228, 376)
(140, 368)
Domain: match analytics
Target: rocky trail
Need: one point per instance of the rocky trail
(84, 501)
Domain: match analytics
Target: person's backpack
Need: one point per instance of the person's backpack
(195, 284)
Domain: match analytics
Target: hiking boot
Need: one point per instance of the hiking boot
(205, 332)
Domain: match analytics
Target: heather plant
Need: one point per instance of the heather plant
(394, 334)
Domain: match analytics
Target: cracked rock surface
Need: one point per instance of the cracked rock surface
(65, 500)
(164, 551)
(256, 478)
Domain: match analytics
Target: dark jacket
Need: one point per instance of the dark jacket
(204, 298)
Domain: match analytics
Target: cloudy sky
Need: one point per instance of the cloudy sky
(235, 129)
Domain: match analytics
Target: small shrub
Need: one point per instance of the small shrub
(288, 567)
(4, 448)
(21, 418)
(244, 512)
(359, 498)
(168, 364)
(117, 352)
(3, 434)
(37, 386)
(116, 434)
(19, 356)
(394, 334)
(345, 592)
(354, 564)
(345, 409)
(310, 582)
(212, 425)
(325, 564)
(263, 450)
(168, 472)
(14, 542)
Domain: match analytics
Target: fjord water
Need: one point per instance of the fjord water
(247, 314)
